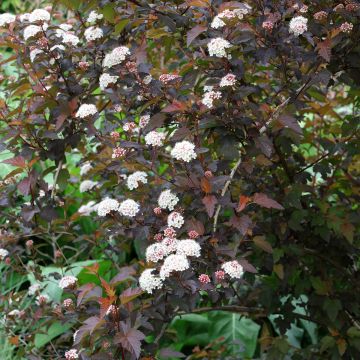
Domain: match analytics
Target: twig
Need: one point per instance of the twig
(226, 186)
(53, 192)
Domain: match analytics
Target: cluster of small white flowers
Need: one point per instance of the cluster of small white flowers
(170, 245)
(155, 138)
(42, 299)
(33, 289)
(168, 200)
(233, 269)
(67, 281)
(134, 179)
(116, 57)
(57, 47)
(39, 15)
(24, 17)
(175, 220)
(298, 25)
(70, 39)
(87, 209)
(71, 354)
(93, 16)
(93, 33)
(129, 208)
(86, 110)
(3, 253)
(184, 150)
(63, 29)
(155, 252)
(106, 79)
(209, 97)
(217, 47)
(228, 80)
(167, 78)
(87, 185)
(85, 168)
(147, 79)
(149, 282)
(188, 247)
(218, 21)
(173, 263)
(144, 120)
(31, 31)
(34, 53)
(106, 206)
(6, 19)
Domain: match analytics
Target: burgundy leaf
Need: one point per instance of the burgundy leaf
(24, 186)
(264, 201)
(194, 33)
(241, 223)
(265, 145)
(210, 201)
(125, 273)
(170, 353)
(176, 106)
(196, 225)
(130, 339)
(324, 49)
(18, 161)
(89, 326)
(247, 266)
(129, 295)
(290, 122)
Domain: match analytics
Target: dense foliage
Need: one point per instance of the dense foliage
(180, 178)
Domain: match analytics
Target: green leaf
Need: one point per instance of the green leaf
(120, 26)
(52, 332)
(109, 13)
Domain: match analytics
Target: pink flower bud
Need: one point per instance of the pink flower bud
(219, 275)
(204, 279)
(193, 234)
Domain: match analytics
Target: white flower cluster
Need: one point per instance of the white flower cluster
(134, 179)
(34, 53)
(85, 168)
(175, 220)
(93, 33)
(3, 253)
(155, 138)
(71, 354)
(106, 206)
(155, 252)
(144, 120)
(188, 247)
(70, 39)
(233, 269)
(42, 299)
(298, 25)
(94, 16)
(106, 79)
(63, 29)
(6, 19)
(168, 200)
(219, 20)
(170, 244)
(209, 97)
(33, 289)
(31, 31)
(173, 263)
(86, 110)
(184, 150)
(87, 185)
(67, 281)
(39, 15)
(217, 47)
(129, 208)
(228, 80)
(116, 57)
(149, 282)
(88, 208)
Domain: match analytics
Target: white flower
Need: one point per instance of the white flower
(167, 200)
(188, 247)
(106, 206)
(86, 110)
(34, 53)
(298, 25)
(116, 57)
(217, 47)
(228, 80)
(14, 313)
(134, 179)
(70, 39)
(208, 88)
(144, 120)
(3, 253)
(106, 79)
(42, 299)
(112, 310)
(184, 150)
(155, 138)
(85, 168)
(65, 27)
(93, 16)
(147, 79)
(6, 19)
(24, 17)
(93, 33)
(149, 282)
(155, 252)
(57, 47)
(217, 23)
(170, 245)
(229, 14)
(71, 354)
(175, 220)
(87, 185)
(33, 289)
(87, 209)
(67, 281)
(233, 269)
(209, 97)
(31, 31)
(129, 208)
(173, 263)
(39, 15)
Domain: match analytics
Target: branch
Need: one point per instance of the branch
(244, 310)
(53, 192)
(226, 186)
